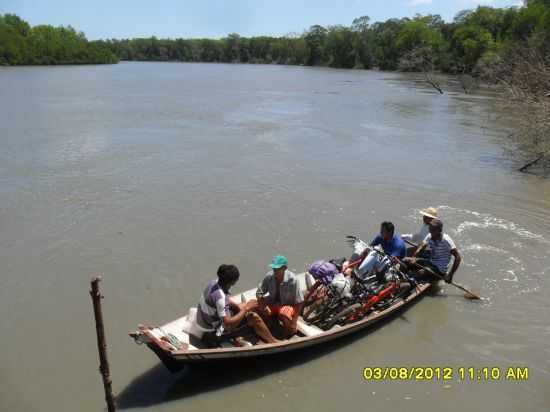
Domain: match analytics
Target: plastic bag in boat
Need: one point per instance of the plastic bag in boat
(191, 326)
(341, 284)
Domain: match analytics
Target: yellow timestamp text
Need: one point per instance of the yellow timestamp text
(445, 373)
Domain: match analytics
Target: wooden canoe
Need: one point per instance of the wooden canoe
(308, 335)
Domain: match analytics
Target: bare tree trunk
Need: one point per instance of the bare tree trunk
(467, 82)
(531, 163)
(102, 345)
(525, 73)
(432, 82)
(461, 80)
(421, 59)
(428, 68)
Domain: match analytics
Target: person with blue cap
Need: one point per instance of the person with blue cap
(279, 303)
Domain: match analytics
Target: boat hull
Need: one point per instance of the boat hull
(175, 360)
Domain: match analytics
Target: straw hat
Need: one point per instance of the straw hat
(429, 212)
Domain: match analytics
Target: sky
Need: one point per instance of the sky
(105, 19)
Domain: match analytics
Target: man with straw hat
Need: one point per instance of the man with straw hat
(428, 215)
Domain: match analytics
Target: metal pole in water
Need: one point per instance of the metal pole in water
(101, 344)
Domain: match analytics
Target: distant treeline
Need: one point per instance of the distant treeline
(21, 44)
(475, 38)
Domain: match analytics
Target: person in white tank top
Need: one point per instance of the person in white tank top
(428, 215)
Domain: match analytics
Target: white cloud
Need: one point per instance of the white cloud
(479, 2)
(419, 2)
(495, 3)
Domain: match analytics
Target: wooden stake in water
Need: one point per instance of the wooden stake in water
(102, 345)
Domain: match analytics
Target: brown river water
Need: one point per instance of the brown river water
(153, 174)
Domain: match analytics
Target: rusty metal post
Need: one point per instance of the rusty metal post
(102, 345)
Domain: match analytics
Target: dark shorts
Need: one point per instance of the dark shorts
(425, 254)
(428, 264)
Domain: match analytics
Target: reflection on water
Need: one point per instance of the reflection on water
(154, 174)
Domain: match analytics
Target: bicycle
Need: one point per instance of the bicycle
(379, 299)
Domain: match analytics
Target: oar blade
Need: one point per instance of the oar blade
(472, 296)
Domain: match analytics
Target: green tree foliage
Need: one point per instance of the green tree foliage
(315, 41)
(21, 44)
(477, 33)
(475, 40)
(386, 53)
(422, 39)
(363, 42)
(419, 32)
(339, 46)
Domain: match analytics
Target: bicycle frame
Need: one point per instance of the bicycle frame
(373, 300)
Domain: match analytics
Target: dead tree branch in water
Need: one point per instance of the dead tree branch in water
(421, 59)
(467, 82)
(432, 82)
(531, 163)
(524, 72)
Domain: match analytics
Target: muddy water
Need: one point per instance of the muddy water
(154, 174)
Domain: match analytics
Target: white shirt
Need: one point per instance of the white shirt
(441, 251)
(417, 237)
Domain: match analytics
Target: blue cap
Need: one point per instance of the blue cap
(278, 262)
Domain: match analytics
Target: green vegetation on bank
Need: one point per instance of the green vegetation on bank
(473, 40)
(21, 44)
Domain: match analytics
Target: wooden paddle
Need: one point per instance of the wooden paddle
(469, 294)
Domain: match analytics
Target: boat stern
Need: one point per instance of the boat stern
(163, 343)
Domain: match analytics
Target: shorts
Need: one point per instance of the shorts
(282, 311)
(429, 264)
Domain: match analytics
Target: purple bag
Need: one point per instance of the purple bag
(323, 271)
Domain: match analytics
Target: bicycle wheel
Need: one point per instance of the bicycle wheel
(342, 315)
(313, 299)
(390, 300)
(320, 311)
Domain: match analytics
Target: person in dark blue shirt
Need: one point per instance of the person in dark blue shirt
(392, 244)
